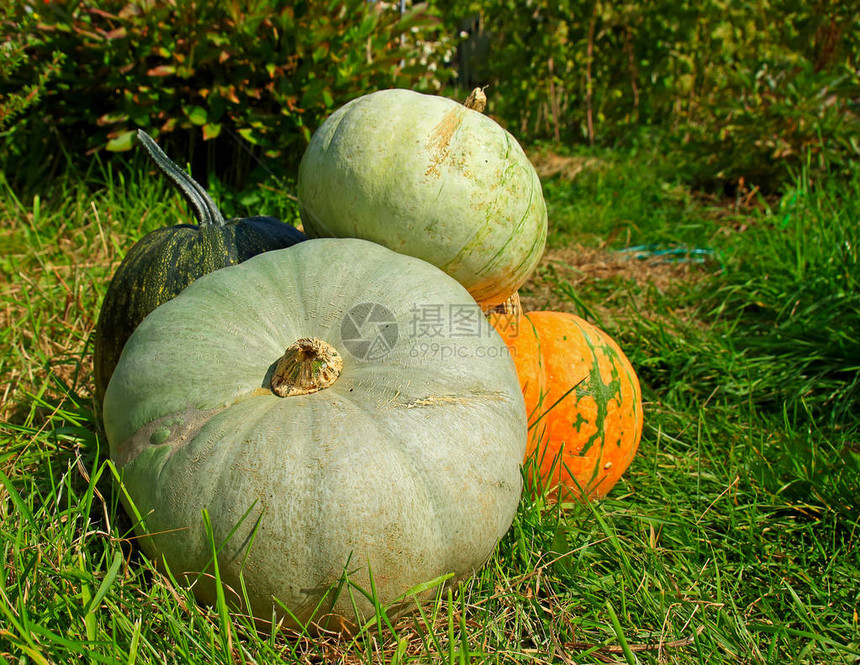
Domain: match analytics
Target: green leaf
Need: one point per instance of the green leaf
(248, 134)
(17, 501)
(560, 551)
(106, 584)
(121, 143)
(196, 114)
(211, 130)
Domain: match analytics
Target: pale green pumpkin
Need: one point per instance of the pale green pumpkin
(429, 177)
(404, 464)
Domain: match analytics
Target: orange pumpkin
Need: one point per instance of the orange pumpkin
(583, 400)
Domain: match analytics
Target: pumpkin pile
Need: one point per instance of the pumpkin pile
(285, 437)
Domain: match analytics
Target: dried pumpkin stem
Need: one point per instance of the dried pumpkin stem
(477, 100)
(511, 307)
(307, 366)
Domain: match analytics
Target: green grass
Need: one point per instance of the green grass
(734, 537)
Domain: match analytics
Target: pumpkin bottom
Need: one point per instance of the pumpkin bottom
(340, 607)
(311, 618)
(566, 475)
(374, 527)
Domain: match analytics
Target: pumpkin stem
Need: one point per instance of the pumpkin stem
(204, 207)
(477, 100)
(512, 307)
(307, 366)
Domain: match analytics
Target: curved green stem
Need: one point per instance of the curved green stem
(204, 207)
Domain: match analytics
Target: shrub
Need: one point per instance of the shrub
(737, 88)
(14, 102)
(267, 71)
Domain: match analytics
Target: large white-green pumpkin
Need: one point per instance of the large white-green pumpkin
(403, 466)
(429, 177)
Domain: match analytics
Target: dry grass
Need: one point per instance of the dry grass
(550, 164)
(630, 283)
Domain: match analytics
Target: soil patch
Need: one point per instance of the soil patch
(580, 268)
(549, 164)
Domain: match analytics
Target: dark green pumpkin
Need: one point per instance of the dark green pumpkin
(162, 263)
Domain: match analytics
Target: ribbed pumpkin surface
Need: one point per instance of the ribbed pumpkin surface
(582, 396)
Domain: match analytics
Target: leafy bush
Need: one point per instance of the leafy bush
(737, 88)
(267, 71)
(732, 89)
(12, 56)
